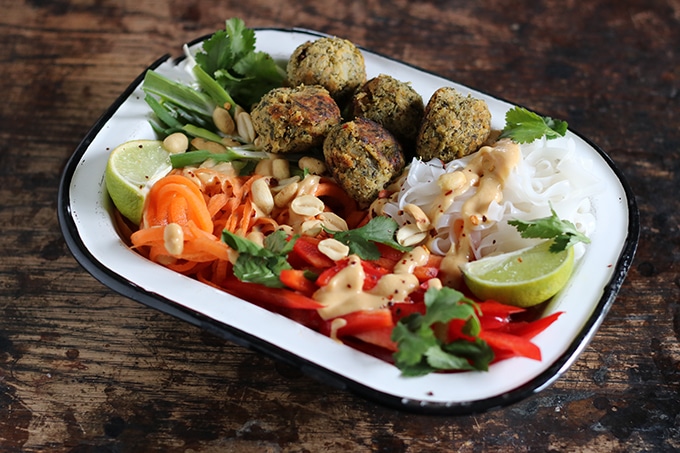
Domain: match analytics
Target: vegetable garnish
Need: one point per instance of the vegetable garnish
(422, 351)
(524, 126)
(361, 241)
(229, 57)
(256, 264)
(563, 233)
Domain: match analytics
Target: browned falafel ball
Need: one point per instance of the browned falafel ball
(454, 125)
(296, 119)
(394, 104)
(334, 63)
(363, 157)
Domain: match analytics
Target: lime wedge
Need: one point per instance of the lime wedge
(522, 278)
(132, 169)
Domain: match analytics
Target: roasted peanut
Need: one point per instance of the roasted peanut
(262, 196)
(333, 249)
(213, 147)
(409, 235)
(419, 217)
(264, 167)
(286, 195)
(280, 169)
(244, 126)
(173, 239)
(307, 205)
(312, 165)
(332, 221)
(311, 227)
(223, 120)
(176, 143)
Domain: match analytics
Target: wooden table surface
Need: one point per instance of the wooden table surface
(84, 369)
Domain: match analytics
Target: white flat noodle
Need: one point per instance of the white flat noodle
(549, 173)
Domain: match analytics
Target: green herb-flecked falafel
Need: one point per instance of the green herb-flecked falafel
(394, 104)
(289, 120)
(334, 63)
(453, 126)
(363, 157)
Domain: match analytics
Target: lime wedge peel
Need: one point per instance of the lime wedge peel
(522, 278)
(131, 170)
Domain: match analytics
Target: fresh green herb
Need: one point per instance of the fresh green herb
(361, 241)
(563, 233)
(524, 126)
(258, 264)
(421, 351)
(229, 57)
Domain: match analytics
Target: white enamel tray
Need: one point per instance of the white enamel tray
(85, 218)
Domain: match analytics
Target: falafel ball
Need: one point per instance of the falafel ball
(363, 157)
(394, 104)
(453, 126)
(334, 63)
(289, 120)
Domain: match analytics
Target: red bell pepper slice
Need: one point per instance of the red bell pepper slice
(388, 257)
(325, 277)
(307, 249)
(503, 343)
(371, 326)
(265, 295)
(494, 322)
(530, 329)
(403, 309)
(296, 279)
(425, 273)
(365, 320)
(493, 308)
(373, 273)
(379, 337)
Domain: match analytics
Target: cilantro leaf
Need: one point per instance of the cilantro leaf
(524, 126)
(420, 351)
(230, 59)
(361, 241)
(258, 264)
(216, 53)
(563, 233)
(242, 38)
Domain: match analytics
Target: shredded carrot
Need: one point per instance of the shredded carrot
(175, 198)
(205, 202)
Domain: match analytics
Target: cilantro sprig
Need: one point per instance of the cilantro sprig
(563, 233)
(256, 264)
(230, 58)
(361, 241)
(524, 126)
(422, 351)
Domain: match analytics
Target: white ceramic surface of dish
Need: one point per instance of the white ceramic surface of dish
(86, 221)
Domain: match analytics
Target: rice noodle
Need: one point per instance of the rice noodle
(548, 174)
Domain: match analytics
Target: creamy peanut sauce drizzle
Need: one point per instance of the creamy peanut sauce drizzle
(344, 293)
(487, 171)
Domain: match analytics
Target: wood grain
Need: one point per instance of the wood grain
(83, 369)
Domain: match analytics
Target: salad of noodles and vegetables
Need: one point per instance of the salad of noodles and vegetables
(349, 205)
